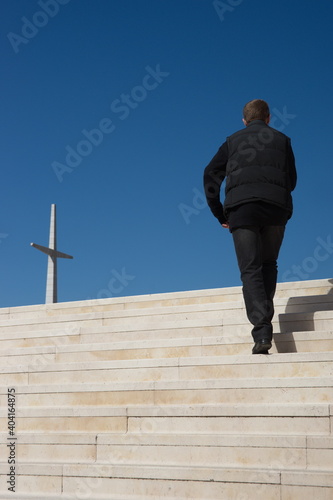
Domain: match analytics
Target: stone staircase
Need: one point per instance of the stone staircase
(159, 397)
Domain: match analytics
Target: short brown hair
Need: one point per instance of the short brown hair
(256, 110)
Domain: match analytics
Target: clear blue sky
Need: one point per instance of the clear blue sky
(164, 82)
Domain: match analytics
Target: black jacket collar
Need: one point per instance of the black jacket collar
(255, 122)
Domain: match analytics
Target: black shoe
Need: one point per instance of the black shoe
(262, 346)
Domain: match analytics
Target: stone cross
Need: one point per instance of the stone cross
(53, 255)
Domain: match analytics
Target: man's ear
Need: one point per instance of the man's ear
(268, 120)
(245, 122)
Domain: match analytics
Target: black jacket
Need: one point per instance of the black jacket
(259, 165)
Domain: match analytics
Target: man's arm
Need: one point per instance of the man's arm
(214, 175)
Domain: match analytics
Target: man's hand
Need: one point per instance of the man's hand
(226, 225)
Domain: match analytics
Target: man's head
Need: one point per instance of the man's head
(256, 110)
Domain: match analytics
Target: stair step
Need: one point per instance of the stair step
(185, 392)
(126, 482)
(208, 367)
(246, 419)
(162, 348)
(252, 451)
(91, 313)
(289, 290)
(200, 440)
(306, 304)
(295, 419)
(211, 340)
(138, 453)
(205, 323)
(227, 451)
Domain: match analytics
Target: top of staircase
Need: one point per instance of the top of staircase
(228, 294)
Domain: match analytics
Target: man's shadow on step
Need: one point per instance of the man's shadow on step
(292, 321)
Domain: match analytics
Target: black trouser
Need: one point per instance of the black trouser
(257, 250)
